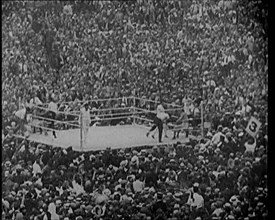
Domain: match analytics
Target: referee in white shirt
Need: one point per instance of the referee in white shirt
(52, 114)
(86, 120)
(158, 121)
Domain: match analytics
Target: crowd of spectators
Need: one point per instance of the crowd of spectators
(201, 179)
(106, 49)
(179, 51)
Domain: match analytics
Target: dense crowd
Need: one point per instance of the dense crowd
(201, 179)
(117, 49)
(181, 52)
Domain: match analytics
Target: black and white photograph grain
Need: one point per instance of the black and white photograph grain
(135, 110)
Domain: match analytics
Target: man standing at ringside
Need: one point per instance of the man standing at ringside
(51, 114)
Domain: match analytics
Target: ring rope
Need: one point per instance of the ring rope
(181, 126)
(144, 110)
(171, 116)
(145, 119)
(178, 127)
(64, 122)
(154, 111)
(76, 125)
(77, 113)
(106, 109)
(148, 100)
(94, 100)
(106, 119)
(43, 127)
(58, 112)
(114, 114)
(135, 114)
(49, 119)
(103, 109)
(110, 99)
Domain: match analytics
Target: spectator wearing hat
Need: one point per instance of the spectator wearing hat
(172, 177)
(195, 200)
(217, 137)
(151, 176)
(159, 207)
(236, 122)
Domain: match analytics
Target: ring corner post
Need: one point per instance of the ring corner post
(202, 123)
(81, 131)
(134, 110)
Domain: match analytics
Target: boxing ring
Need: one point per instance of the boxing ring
(122, 126)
